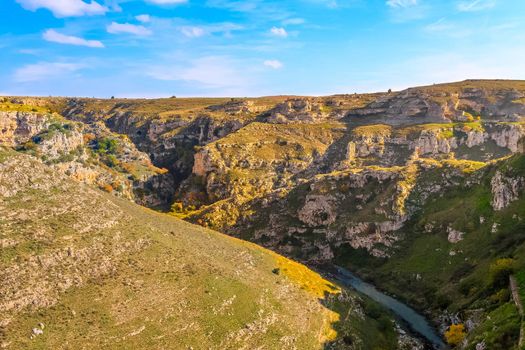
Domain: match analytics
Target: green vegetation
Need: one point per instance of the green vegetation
(372, 130)
(444, 130)
(106, 146)
(471, 274)
(454, 254)
(140, 279)
(8, 106)
(500, 330)
(52, 130)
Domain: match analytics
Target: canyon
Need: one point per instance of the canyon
(420, 192)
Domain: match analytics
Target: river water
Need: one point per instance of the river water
(415, 321)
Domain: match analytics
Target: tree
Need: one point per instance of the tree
(455, 334)
(107, 146)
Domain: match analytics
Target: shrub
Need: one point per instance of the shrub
(107, 146)
(500, 297)
(455, 334)
(177, 207)
(107, 187)
(88, 138)
(499, 272)
(111, 161)
(129, 168)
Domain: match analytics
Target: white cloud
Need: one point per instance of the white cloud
(207, 72)
(167, 2)
(56, 37)
(401, 3)
(65, 8)
(119, 28)
(293, 21)
(236, 5)
(438, 26)
(275, 64)
(192, 32)
(44, 70)
(198, 31)
(475, 5)
(281, 32)
(443, 27)
(143, 18)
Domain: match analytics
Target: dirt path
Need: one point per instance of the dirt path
(516, 297)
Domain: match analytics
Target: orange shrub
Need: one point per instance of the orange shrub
(455, 334)
(88, 138)
(107, 187)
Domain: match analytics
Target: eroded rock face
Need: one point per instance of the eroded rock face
(505, 190)
(61, 143)
(297, 110)
(236, 107)
(370, 235)
(397, 148)
(429, 142)
(437, 106)
(318, 211)
(509, 137)
(19, 127)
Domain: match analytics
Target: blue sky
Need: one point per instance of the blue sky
(155, 48)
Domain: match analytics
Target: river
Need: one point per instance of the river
(416, 322)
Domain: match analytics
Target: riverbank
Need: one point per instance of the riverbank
(414, 322)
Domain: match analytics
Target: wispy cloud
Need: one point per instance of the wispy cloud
(443, 26)
(192, 32)
(293, 21)
(128, 28)
(56, 37)
(233, 5)
(65, 8)
(275, 64)
(208, 72)
(167, 2)
(401, 3)
(279, 31)
(143, 18)
(475, 5)
(261, 10)
(406, 10)
(439, 25)
(198, 31)
(45, 70)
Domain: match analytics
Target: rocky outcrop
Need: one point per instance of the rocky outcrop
(508, 137)
(482, 142)
(303, 110)
(373, 235)
(438, 104)
(20, 127)
(454, 236)
(505, 190)
(318, 211)
(236, 107)
(59, 144)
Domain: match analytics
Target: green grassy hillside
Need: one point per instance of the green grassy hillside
(469, 278)
(81, 269)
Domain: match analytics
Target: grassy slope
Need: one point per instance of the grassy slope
(100, 272)
(430, 272)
